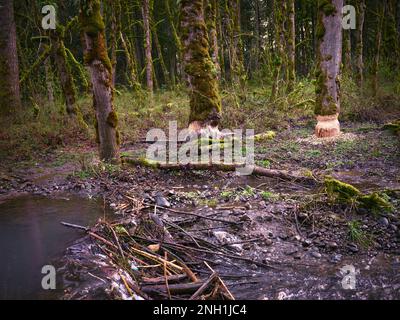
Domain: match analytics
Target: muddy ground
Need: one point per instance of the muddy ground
(293, 240)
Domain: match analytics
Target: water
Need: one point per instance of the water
(31, 236)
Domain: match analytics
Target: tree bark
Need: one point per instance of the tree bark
(147, 45)
(99, 65)
(64, 72)
(291, 46)
(10, 98)
(131, 63)
(360, 8)
(329, 58)
(378, 42)
(211, 19)
(205, 101)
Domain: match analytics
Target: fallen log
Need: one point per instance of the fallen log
(226, 167)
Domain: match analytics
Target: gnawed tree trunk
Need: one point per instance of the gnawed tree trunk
(64, 72)
(291, 46)
(147, 45)
(360, 8)
(211, 19)
(10, 98)
(100, 68)
(329, 58)
(205, 101)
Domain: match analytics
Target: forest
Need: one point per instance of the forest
(199, 149)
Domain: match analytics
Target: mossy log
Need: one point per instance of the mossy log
(346, 193)
(225, 167)
(393, 127)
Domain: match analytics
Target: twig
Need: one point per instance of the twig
(204, 286)
(75, 226)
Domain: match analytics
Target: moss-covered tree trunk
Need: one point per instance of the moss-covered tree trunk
(205, 101)
(10, 99)
(360, 8)
(99, 65)
(211, 21)
(329, 58)
(131, 64)
(114, 32)
(63, 69)
(147, 44)
(291, 45)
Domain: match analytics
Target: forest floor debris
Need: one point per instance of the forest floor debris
(263, 237)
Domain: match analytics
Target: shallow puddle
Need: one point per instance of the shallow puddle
(31, 237)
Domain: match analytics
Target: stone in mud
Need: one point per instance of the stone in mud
(384, 222)
(291, 251)
(316, 254)
(161, 201)
(353, 247)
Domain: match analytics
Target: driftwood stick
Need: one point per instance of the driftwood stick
(204, 286)
(161, 280)
(75, 226)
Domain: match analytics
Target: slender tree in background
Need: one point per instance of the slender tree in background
(237, 70)
(360, 8)
(10, 99)
(64, 72)
(205, 101)
(279, 52)
(378, 38)
(99, 65)
(291, 45)
(147, 44)
(329, 58)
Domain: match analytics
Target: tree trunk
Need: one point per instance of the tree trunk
(347, 63)
(131, 63)
(114, 32)
(258, 41)
(291, 46)
(236, 46)
(99, 64)
(64, 72)
(329, 58)
(160, 54)
(147, 45)
(205, 101)
(176, 37)
(378, 42)
(10, 98)
(211, 19)
(360, 8)
(279, 54)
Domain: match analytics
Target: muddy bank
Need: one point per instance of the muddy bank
(284, 239)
